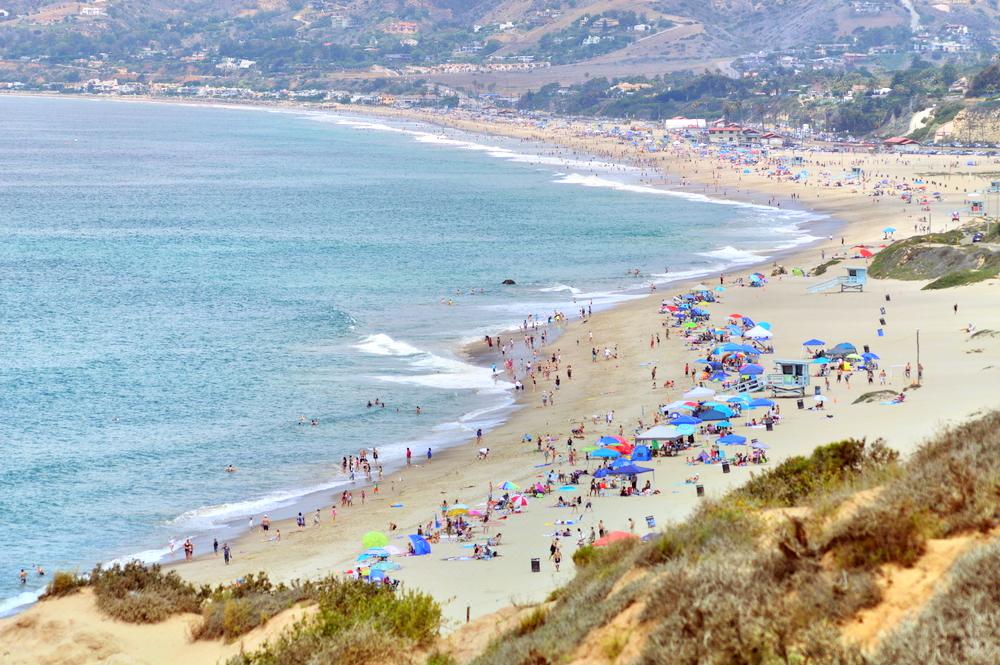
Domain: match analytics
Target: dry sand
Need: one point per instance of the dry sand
(960, 379)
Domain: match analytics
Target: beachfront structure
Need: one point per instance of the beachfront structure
(679, 122)
(900, 144)
(854, 280)
(736, 135)
(790, 378)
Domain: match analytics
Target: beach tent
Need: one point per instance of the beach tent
(758, 332)
(713, 414)
(699, 393)
(630, 470)
(600, 473)
(641, 454)
(841, 350)
(659, 432)
(420, 545)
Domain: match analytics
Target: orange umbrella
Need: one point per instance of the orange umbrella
(614, 537)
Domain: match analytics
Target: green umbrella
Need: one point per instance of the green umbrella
(689, 324)
(375, 539)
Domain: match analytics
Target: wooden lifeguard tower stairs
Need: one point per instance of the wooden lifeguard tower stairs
(854, 280)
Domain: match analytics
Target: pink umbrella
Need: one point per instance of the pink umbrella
(519, 501)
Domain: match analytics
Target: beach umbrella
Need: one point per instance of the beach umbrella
(853, 356)
(386, 566)
(866, 254)
(889, 229)
(732, 440)
(713, 414)
(718, 376)
(612, 440)
(659, 432)
(814, 342)
(508, 486)
(689, 325)
(613, 537)
(751, 369)
(681, 405)
(630, 470)
(699, 393)
(600, 473)
(685, 420)
(457, 509)
(760, 401)
(736, 316)
(519, 501)
(764, 324)
(821, 361)
(568, 488)
(819, 398)
(606, 452)
(870, 356)
(759, 446)
(374, 539)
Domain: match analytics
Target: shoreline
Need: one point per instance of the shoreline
(452, 458)
(285, 509)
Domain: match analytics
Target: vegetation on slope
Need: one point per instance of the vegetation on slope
(940, 257)
(735, 584)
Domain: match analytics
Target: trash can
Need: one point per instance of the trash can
(881, 322)
(700, 489)
(650, 522)
(800, 403)
(887, 298)
(816, 390)
(536, 566)
(725, 467)
(769, 427)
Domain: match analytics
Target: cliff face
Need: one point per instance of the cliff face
(976, 124)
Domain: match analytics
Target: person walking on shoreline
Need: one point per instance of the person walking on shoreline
(225, 553)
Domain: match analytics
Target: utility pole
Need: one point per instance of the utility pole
(918, 357)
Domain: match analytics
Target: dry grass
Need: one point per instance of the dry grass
(63, 583)
(137, 593)
(728, 586)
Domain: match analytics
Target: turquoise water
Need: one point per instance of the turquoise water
(180, 284)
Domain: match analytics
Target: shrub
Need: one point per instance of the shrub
(356, 622)
(139, 594)
(235, 611)
(829, 466)
(881, 535)
(535, 619)
(962, 278)
(63, 583)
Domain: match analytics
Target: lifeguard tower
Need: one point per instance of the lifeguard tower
(790, 378)
(977, 206)
(854, 280)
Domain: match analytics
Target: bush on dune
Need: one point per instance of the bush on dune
(137, 593)
(64, 583)
(236, 610)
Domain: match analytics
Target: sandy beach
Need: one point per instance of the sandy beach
(958, 372)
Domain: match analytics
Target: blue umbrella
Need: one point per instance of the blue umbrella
(889, 229)
(724, 423)
(760, 401)
(718, 376)
(751, 369)
(814, 342)
(742, 399)
(764, 324)
(621, 461)
(685, 420)
(760, 446)
(630, 470)
(600, 473)
(386, 566)
(732, 440)
(713, 414)
(568, 488)
(685, 430)
(870, 356)
(606, 452)
(821, 361)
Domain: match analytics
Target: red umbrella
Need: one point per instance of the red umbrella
(736, 316)
(614, 537)
(865, 253)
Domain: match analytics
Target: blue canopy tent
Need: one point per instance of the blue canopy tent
(712, 414)
(751, 369)
(685, 420)
(420, 544)
(842, 349)
(600, 473)
(621, 461)
(641, 454)
(630, 470)
(814, 342)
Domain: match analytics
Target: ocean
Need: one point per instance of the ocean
(180, 284)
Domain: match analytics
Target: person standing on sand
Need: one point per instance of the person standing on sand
(409, 455)
(557, 558)
(429, 455)
(225, 553)
(215, 546)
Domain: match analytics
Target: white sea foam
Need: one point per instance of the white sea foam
(381, 344)
(23, 599)
(733, 256)
(560, 287)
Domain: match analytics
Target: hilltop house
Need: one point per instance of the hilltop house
(401, 28)
(772, 140)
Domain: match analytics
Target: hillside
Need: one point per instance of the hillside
(259, 39)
